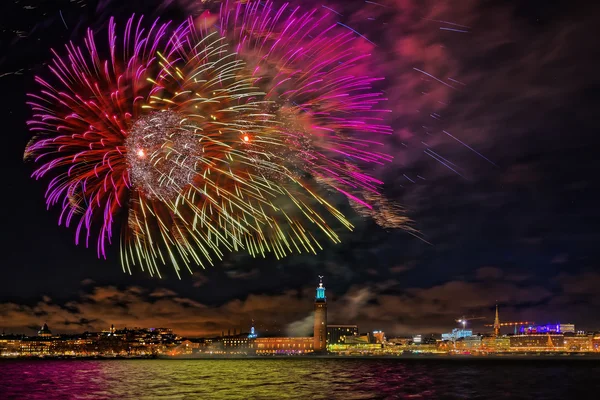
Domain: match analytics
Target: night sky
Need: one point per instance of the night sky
(517, 223)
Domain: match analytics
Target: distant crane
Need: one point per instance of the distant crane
(464, 320)
(515, 324)
(497, 325)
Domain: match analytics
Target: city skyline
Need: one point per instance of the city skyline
(325, 340)
(310, 324)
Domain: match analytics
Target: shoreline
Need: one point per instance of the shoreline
(438, 357)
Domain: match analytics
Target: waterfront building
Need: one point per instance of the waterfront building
(470, 343)
(355, 348)
(424, 348)
(566, 328)
(495, 343)
(596, 342)
(364, 339)
(537, 342)
(548, 328)
(320, 323)
(212, 345)
(457, 334)
(186, 347)
(283, 345)
(10, 345)
(65, 345)
(338, 334)
(36, 346)
(378, 337)
(399, 341)
(578, 343)
(238, 344)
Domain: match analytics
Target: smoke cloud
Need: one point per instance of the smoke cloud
(303, 327)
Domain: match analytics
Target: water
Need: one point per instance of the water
(289, 378)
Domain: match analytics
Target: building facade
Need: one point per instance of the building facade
(282, 345)
(540, 342)
(457, 334)
(378, 337)
(339, 334)
(355, 349)
(470, 343)
(567, 328)
(10, 345)
(495, 343)
(579, 343)
(596, 342)
(239, 344)
(548, 328)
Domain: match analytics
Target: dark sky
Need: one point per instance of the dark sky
(518, 224)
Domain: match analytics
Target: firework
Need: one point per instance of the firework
(208, 139)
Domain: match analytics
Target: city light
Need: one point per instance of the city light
(342, 340)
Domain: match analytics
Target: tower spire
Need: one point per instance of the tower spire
(497, 322)
(550, 344)
(252, 334)
(320, 291)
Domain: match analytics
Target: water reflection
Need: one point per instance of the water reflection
(346, 379)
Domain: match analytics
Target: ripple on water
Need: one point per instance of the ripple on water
(347, 379)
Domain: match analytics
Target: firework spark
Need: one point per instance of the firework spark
(209, 138)
(162, 155)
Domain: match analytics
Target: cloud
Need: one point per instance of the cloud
(381, 305)
(133, 306)
(351, 303)
(514, 77)
(161, 292)
(586, 284)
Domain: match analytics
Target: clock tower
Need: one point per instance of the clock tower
(320, 328)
